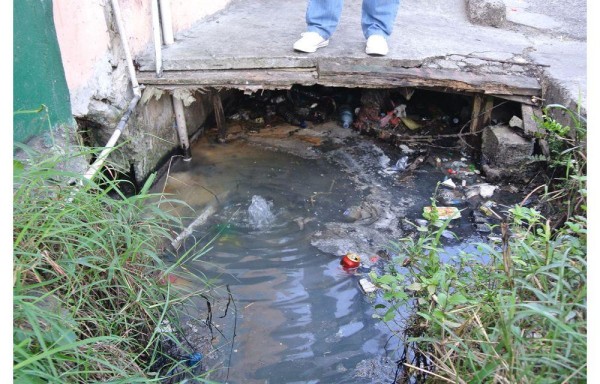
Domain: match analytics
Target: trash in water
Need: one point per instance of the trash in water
(486, 190)
(367, 286)
(449, 183)
(346, 116)
(445, 212)
(410, 123)
(350, 261)
(194, 359)
(450, 197)
(405, 149)
(401, 164)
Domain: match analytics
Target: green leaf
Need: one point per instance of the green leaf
(415, 287)
(442, 299)
(390, 314)
(457, 298)
(387, 279)
(431, 289)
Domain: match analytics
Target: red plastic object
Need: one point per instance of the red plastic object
(451, 171)
(350, 260)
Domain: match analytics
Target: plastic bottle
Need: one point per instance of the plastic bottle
(346, 116)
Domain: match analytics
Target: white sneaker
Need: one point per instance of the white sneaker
(376, 45)
(309, 42)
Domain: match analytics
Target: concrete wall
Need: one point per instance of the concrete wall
(98, 81)
(38, 76)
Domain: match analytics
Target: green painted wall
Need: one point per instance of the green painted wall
(38, 75)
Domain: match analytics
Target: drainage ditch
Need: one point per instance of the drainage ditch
(292, 191)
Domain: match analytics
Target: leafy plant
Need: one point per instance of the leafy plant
(514, 311)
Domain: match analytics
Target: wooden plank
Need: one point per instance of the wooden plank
(476, 123)
(231, 78)
(520, 99)
(391, 77)
(487, 111)
(476, 116)
(219, 116)
(530, 126)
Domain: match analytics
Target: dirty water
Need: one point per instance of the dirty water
(289, 204)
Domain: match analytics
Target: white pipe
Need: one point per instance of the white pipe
(182, 129)
(157, 38)
(167, 21)
(137, 94)
(91, 172)
(125, 43)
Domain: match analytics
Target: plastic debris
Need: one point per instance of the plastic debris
(367, 286)
(486, 190)
(450, 197)
(350, 260)
(410, 123)
(194, 359)
(346, 116)
(449, 184)
(445, 212)
(405, 149)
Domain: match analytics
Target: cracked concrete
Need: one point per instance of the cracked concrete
(534, 41)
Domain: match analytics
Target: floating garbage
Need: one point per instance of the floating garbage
(350, 260)
(486, 190)
(367, 286)
(346, 116)
(449, 184)
(401, 164)
(445, 212)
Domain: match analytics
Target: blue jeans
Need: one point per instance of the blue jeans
(378, 16)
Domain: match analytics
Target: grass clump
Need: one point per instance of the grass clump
(88, 298)
(515, 312)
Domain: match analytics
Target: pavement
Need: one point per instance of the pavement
(545, 39)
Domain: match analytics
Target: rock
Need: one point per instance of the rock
(515, 122)
(503, 147)
(486, 12)
(483, 228)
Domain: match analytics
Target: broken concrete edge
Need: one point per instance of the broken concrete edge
(556, 92)
(62, 142)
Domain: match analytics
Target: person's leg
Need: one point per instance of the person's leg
(378, 17)
(322, 16)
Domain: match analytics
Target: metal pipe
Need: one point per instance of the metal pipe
(167, 21)
(157, 38)
(91, 172)
(125, 43)
(182, 129)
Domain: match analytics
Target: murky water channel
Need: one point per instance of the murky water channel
(298, 316)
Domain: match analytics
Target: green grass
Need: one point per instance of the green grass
(519, 318)
(87, 299)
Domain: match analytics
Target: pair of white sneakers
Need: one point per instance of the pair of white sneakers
(311, 41)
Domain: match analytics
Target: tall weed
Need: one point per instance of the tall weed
(88, 300)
